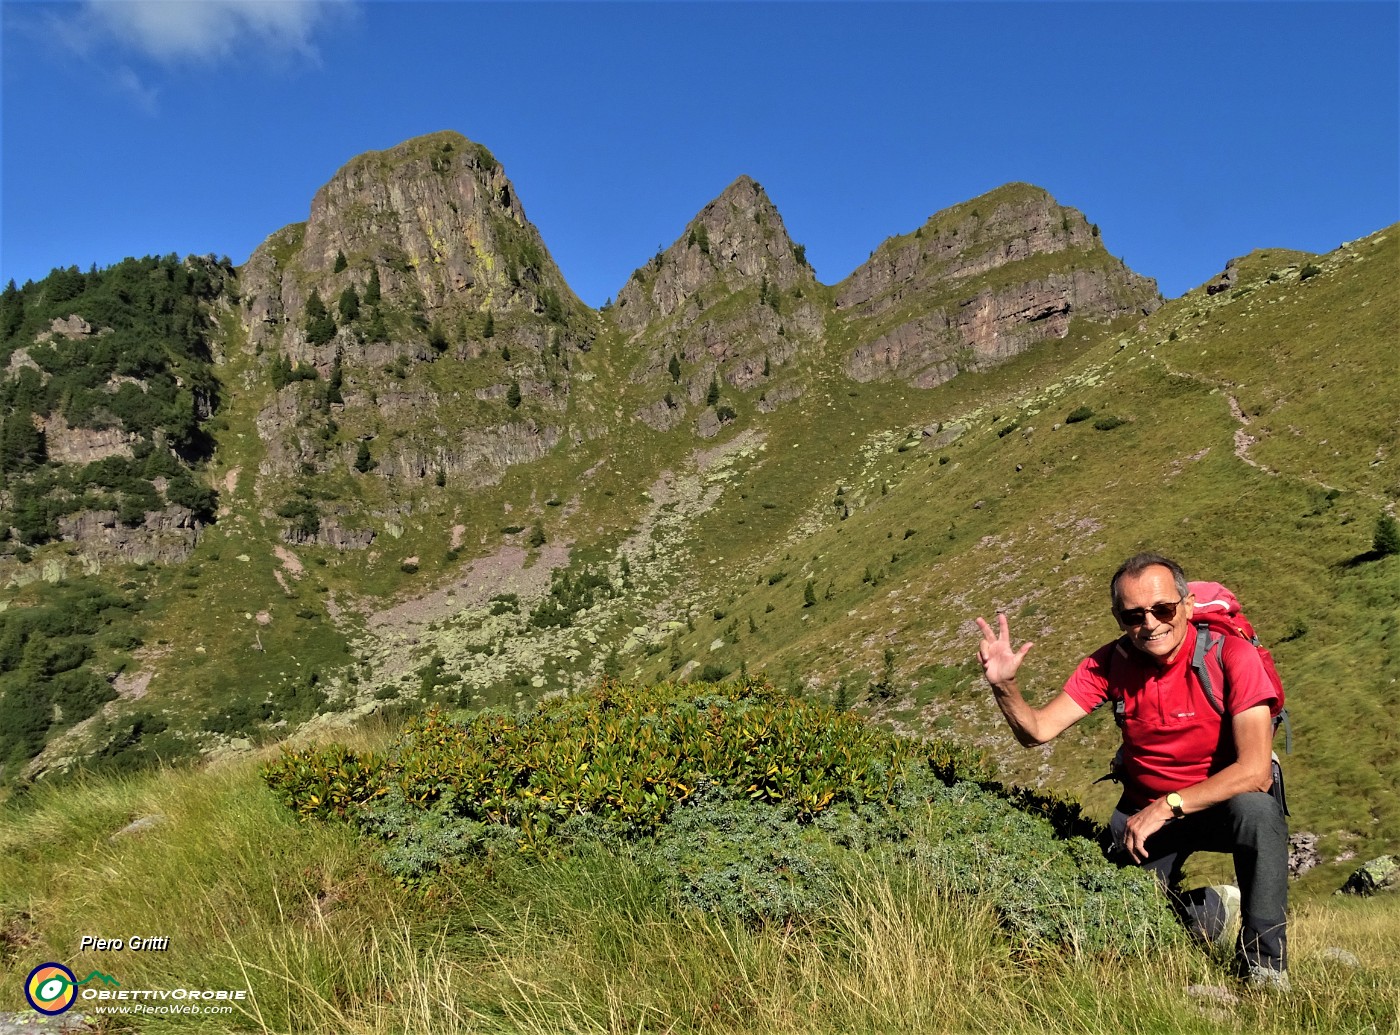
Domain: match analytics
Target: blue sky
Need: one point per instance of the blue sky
(1190, 132)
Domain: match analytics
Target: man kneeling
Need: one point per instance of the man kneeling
(1192, 781)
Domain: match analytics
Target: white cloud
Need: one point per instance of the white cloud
(207, 30)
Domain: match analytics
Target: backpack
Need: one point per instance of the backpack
(1218, 614)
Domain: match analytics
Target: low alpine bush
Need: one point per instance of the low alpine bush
(743, 801)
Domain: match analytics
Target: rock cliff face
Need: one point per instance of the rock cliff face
(446, 272)
(165, 536)
(69, 445)
(981, 282)
(729, 303)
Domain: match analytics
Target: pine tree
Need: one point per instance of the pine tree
(372, 289)
(674, 367)
(513, 395)
(349, 305)
(376, 330)
(336, 379)
(22, 443)
(1387, 538)
(11, 310)
(712, 396)
(363, 461)
(320, 325)
(281, 371)
(340, 262)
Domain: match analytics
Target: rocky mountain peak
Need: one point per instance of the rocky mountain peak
(435, 218)
(737, 241)
(981, 281)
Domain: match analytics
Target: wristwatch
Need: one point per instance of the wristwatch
(1177, 806)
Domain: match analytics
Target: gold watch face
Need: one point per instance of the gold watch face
(1174, 802)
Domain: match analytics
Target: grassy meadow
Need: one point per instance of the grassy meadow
(301, 915)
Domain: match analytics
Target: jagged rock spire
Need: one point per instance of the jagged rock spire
(736, 241)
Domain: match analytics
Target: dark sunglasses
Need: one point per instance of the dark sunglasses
(1163, 612)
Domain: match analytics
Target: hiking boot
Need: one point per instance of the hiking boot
(1266, 979)
(1229, 896)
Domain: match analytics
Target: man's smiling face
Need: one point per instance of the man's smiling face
(1137, 596)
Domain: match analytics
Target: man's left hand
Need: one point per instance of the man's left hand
(1142, 826)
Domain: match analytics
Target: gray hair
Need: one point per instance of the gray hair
(1140, 562)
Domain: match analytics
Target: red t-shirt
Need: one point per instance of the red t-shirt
(1172, 737)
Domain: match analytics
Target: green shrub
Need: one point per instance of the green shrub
(741, 800)
(304, 517)
(626, 754)
(1078, 414)
(1108, 423)
(1309, 271)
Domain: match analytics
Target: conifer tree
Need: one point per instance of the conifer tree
(712, 396)
(1387, 538)
(376, 330)
(335, 381)
(372, 288)
(320, 325)
(22, 443)
(349, 305)
(674, 367)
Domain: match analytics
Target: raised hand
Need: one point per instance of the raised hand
(999, 662)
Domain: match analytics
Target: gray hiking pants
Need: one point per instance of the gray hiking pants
(1252, 828)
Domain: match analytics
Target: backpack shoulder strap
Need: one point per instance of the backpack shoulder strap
(1120, 706)
(1208, 643)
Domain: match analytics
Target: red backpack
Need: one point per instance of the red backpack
(1218, 615)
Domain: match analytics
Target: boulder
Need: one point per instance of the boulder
(1226, 280)
(1302, 854)
(1378, 875)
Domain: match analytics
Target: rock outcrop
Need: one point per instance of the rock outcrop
(166, 536)
(736, 241)
(1375, 877)
(464, 283)
(729, 302)
(1225, 280)
(981, 282)
(435, 217)
(69, 445)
